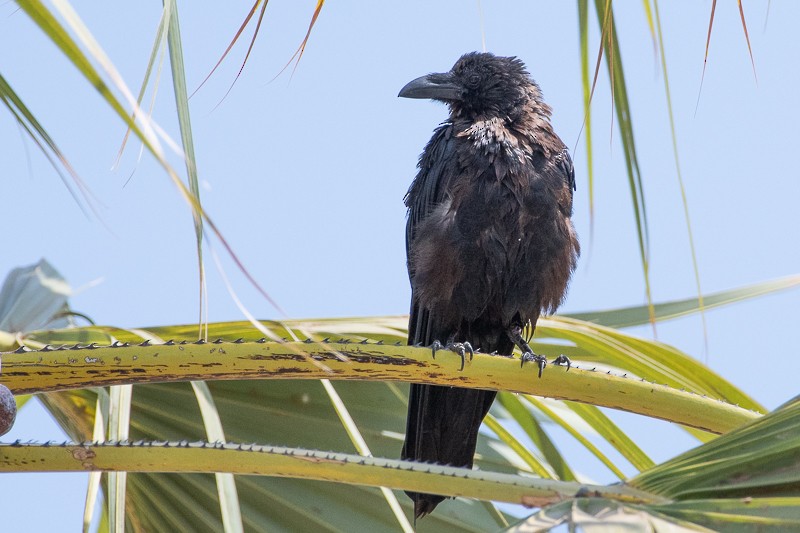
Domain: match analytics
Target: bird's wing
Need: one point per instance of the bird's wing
(438, 165)
(564, 165)
(443, 422)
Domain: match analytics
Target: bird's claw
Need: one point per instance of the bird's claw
(563, 360)
(461, 348)
(436, 346)
(530, 357)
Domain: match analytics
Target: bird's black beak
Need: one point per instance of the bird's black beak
(433, 86)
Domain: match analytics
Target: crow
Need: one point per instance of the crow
(489, 240)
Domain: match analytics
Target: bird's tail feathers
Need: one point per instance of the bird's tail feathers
(442, 427)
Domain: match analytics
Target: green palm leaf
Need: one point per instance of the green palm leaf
(746, 480)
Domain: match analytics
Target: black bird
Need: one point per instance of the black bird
(489, 240)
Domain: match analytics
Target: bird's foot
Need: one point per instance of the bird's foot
(461, 348)
(530, 357)
(563, 360)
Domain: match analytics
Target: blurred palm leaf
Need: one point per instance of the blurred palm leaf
(746, 480)
(33, 297)
(292, 413)
(609, 46)
(31, 125)
(638, 315)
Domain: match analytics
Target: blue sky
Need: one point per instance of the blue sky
(305, 174)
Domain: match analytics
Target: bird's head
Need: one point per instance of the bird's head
(479, 84)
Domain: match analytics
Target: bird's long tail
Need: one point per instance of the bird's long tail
(442, 427)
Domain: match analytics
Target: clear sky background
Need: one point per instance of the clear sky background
(305, 175)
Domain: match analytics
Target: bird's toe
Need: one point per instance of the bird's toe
(435, 347)
(563, 360)
(530, 357)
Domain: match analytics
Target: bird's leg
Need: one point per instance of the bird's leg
(515, 334)
(563, 360)
(461, 348)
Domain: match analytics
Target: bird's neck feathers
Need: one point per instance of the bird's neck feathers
(527, 128)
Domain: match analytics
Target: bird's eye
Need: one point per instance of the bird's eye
(473, 80)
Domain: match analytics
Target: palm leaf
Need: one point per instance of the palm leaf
(638, 315)
(746, 480)
(294, 413)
